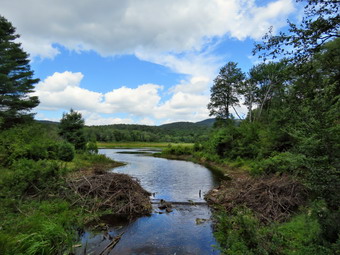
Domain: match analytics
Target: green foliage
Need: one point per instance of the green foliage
(319, 25)
(16, 79)
(46, 228)
(285, 162)
(238, 234)
(178, 150)
(92, 148)
(224, 91)
(178, 132)
(32, 142)
(27, 177)
(71, 128)
(66, 152)
(241, 233)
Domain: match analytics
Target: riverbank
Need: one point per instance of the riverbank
(45, 217)
(222, 170)
(112, 145)
(260, 214)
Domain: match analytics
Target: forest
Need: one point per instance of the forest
(178, 132)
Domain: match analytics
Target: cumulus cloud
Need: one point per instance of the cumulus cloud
(139, 101)
(120, 27)
(64, 91)
(93, 119)
(177, 34)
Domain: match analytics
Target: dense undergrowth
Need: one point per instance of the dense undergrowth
(39, 213)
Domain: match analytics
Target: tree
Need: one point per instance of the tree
(16, 79)
(224, 92)
(249, 91)
(269, 79)
(71, 128)
(320, 24)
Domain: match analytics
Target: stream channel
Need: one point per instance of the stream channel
(185, 230)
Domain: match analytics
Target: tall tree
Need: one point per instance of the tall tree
(269, 78)
(71, 128)
(16, 79)
(224, 92)
(249, 90)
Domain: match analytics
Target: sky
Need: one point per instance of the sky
(138, 61)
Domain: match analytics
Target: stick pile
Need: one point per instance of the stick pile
(118, 192)
(272, 198)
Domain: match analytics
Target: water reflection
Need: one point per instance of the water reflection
(186, 230)
(172, 180)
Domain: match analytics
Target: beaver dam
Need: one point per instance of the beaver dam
(170, 196)
(120, 193)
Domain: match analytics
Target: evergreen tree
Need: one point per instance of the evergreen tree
(16, 79)
(71, 128)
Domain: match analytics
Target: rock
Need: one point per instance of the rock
(164, 205)
(200, 221)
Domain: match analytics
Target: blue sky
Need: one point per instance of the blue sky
(138, 61)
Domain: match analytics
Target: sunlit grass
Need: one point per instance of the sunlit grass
(109, 145)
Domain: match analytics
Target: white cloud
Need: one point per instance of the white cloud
(183, 107)
(139, 101)
(177, 34)
(62, 90)
(147, 121)
(95, 119)
(120, 27)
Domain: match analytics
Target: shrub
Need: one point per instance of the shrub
(238, 233)
(66, 152)
(178, 150)
(30, 177)
(92, 148)
(285, 162)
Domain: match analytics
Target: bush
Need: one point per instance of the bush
(285, 162)
(92, 148)
(66, 152)
(238, 233)
(28, 177)
(178, 150)
(241, 233)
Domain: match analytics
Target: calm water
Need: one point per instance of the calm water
(180, 232)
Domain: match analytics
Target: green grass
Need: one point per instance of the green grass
(111, 145)
(44, 220)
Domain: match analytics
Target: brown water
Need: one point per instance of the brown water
(185, 230)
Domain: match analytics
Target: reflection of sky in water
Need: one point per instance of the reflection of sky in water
(168, 233)
(172, 180)
(174, 233)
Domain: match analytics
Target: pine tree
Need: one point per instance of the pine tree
(16, 79)
(71, 128)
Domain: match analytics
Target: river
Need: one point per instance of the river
(185, 230)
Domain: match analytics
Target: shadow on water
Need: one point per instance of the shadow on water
(185, 230)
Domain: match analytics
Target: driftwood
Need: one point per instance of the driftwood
(118, 192)
(271, 198)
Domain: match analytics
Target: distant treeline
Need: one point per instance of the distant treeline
(175, 132)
